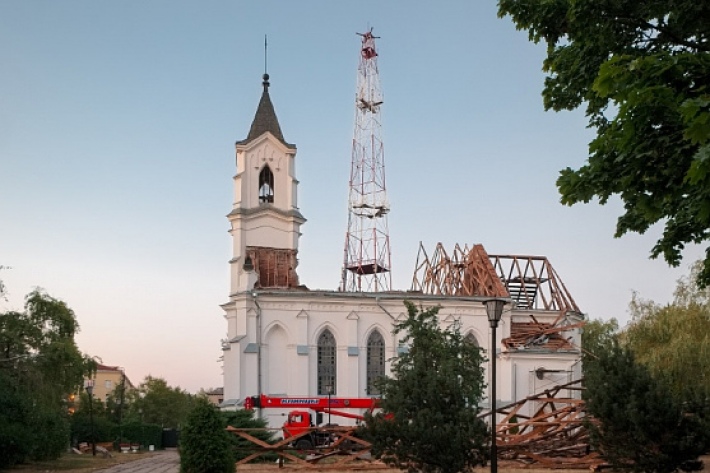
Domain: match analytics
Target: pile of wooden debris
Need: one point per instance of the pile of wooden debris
(553, 436)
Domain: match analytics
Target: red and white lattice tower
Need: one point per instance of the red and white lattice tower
(367, 261)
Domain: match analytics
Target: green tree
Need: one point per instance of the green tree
(118, 402)
(429, 420)
(637, 424)
(205, 444)
(597, 337)
(155, 402)
(643, 70)
(40, 364)
(15, 438)
(673, 341)
(244, 419)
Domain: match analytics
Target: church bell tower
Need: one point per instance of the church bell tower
(265, 221)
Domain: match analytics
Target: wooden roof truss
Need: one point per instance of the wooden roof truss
(530, 281)
(465, 272)
(533, 283)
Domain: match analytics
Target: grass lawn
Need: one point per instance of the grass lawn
(78, 463)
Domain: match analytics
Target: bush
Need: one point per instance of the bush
(638, 424)
(104, 429)
(50, 432)
(15, 435)
(204, 444)
(38, 432)
(138, 432)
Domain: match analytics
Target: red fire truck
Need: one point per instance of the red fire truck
(300, 420)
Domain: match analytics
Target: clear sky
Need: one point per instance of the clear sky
(117, 130)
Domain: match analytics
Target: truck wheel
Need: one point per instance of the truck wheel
(304, 444)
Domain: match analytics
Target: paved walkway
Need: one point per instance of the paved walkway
(164, 461)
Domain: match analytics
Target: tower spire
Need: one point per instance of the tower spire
(265, 118)
(367, 261)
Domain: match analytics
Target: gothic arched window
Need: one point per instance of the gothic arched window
(326, 363)
(375, 361)
(266, 185)
(471, 338)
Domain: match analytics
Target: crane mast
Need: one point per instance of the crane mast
(367, 262)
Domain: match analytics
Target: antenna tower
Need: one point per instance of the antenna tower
(367, 262)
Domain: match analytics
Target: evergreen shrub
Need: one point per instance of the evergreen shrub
(204, 443)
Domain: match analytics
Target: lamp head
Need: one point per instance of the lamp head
(494, 310)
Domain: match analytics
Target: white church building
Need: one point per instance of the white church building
(285, 339)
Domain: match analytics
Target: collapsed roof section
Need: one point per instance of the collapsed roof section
(536, 335)
(530, 281)
(555, 436)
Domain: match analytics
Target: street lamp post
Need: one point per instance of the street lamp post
(90, 392)
(494, 309)
(140, 413)
(120, 407)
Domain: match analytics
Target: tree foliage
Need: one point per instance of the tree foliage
(598, 337)
(106, 428)
(205, 445)
(118, 402)
(15, 438)
(40, 366)
(638, 424)
(429, 420)
(156, 402)
(648, 385)
(673, 341)
(643, 70)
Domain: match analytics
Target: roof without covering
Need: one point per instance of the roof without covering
(265, 119)
(530, 281)
(466, 272)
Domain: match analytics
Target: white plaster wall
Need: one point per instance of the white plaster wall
(272, 230)
(251, 158)
(519, 377)
(276, 360)
(295, 319)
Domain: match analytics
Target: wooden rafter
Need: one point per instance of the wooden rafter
(533, 283)
(553, 436)
(530, 281)
(347, 452)
(545, 430)
(466, 272)
(534, 334)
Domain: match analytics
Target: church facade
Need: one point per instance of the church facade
(284, 339)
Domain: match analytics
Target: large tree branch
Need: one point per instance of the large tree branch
(667, 32)
(677, 39)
